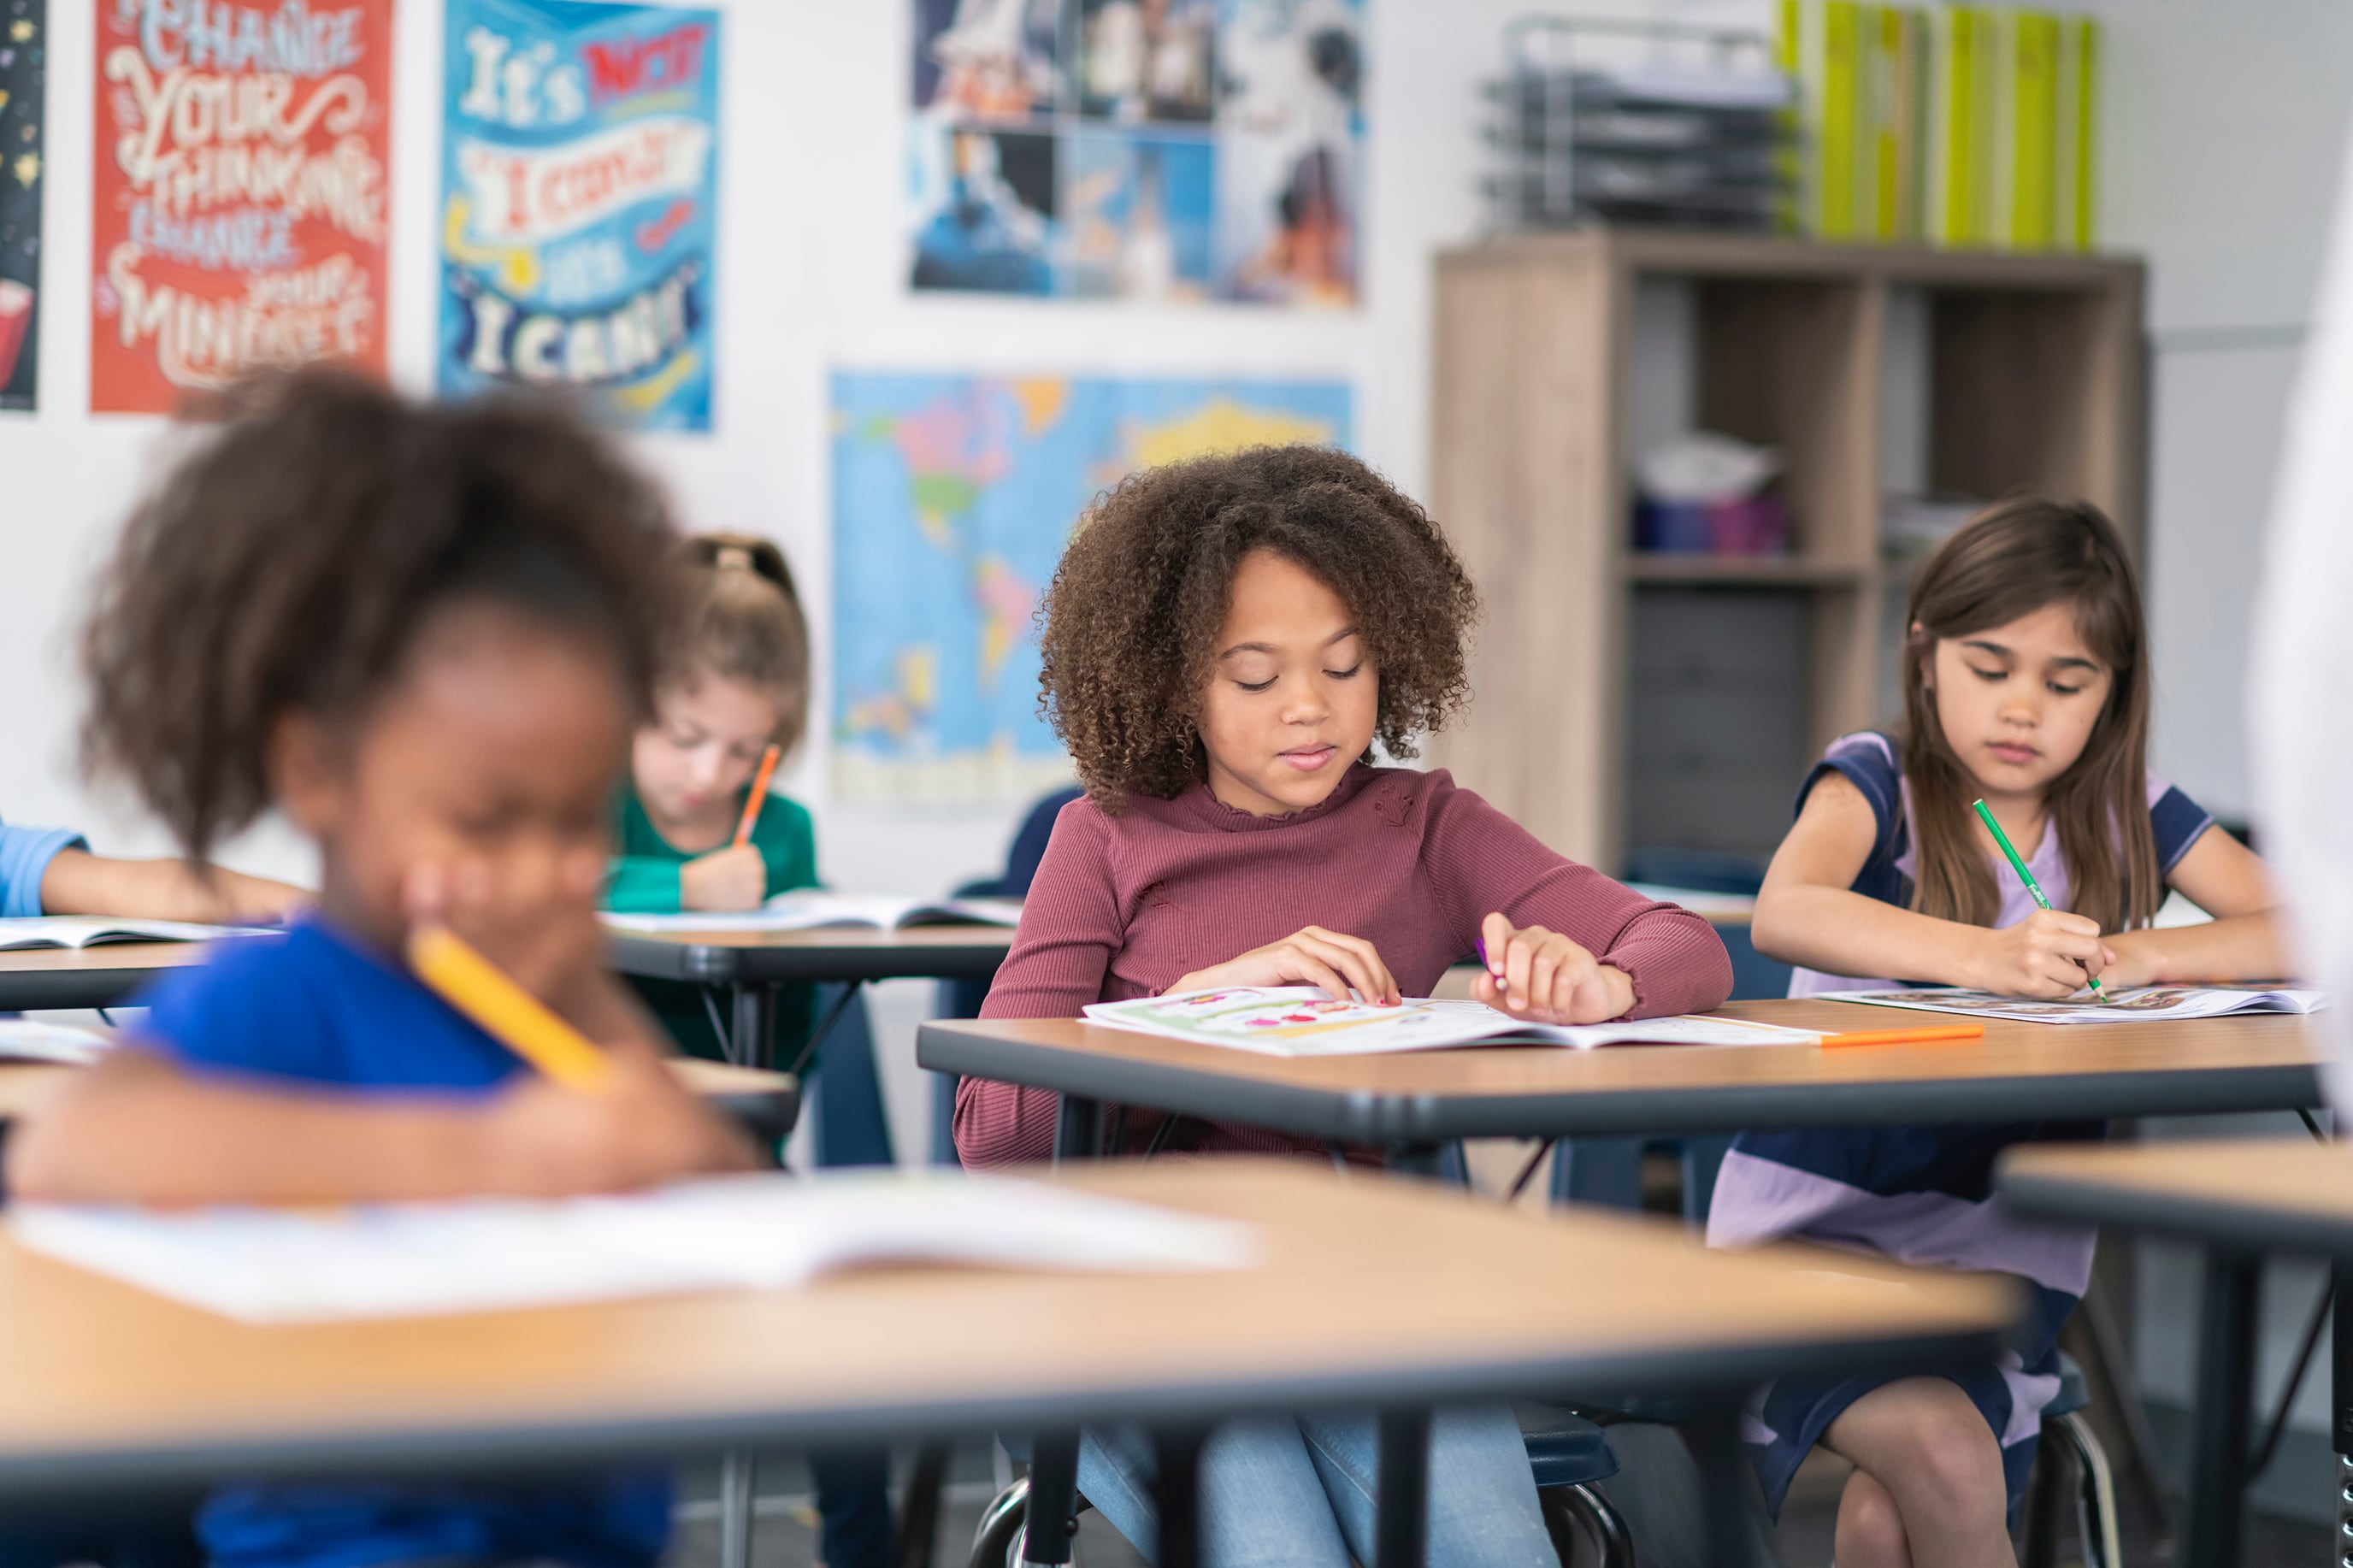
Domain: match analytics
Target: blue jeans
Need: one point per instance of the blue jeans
(1285, 1492)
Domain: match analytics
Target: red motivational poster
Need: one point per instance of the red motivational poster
(242, 200)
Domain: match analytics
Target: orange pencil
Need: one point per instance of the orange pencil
(759, 796)
(1908, 1036)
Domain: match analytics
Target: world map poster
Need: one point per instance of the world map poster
(952, 497)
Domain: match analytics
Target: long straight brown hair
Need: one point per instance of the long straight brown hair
(2009, 561)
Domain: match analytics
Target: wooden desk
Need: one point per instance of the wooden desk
(106, 975)
(109, 1386)
(24, 1085)
(751, 964)
(2242, 1199)
(2039, 1070)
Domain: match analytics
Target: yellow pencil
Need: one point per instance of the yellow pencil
(509, 1013)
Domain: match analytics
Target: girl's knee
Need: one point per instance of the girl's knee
(1870, 1531)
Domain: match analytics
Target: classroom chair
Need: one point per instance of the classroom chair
(1566, 1454)
(1609, 1172)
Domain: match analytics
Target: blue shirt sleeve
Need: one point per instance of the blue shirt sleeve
(2176, 821)
(25, 857)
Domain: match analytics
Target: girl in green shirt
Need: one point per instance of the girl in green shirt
(736, 682)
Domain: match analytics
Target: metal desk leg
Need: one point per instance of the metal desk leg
(2226, 1355)
(754, 1041)
(1179, 1490)
(1054, 1456)
(1412, 1159)
(1053, 1499)
(1714, 1438)
(1402, 1528)
(737, 1473)
(2340, 1390)
(1078, 1129)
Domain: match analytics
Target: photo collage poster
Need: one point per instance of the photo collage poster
(241, 199)
(24, 51)
(1147, 151)
(579, 189)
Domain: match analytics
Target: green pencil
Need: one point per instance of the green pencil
(2017, 864)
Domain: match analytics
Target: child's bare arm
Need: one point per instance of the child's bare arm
(138, 1128)
(1807, 914)
(2225, 878)
(79, 883)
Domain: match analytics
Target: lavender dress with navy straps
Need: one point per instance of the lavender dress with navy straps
(1918, 1195)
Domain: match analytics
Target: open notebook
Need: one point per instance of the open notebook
(31, 1040)
(1305, 1021)
(59, 930)
(729, 1233)
(2142, 1004)
(808, 908)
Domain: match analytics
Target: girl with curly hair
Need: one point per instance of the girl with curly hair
(1226, 640)
(424, 635)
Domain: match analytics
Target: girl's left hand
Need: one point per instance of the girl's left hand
(1545, 978)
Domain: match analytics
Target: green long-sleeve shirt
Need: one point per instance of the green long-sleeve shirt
(644, 881)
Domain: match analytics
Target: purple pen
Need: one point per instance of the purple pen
(1480, 943)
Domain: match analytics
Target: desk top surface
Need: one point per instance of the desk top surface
(24, 1085)
(1371, 1288)
(2018, 1069)
(720, 956)
(2291, 1195)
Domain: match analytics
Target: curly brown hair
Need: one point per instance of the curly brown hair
(1131, 618)
(289, 560)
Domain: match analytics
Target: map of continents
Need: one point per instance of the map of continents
(952, 497)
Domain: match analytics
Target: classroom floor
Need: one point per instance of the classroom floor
(786, 1533)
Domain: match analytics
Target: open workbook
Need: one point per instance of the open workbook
(60, 930)
(1305, 1021)
(809, 909)
(2141, 1005)
(728, 1233)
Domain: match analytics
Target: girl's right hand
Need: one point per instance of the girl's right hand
(732, 878)
(1310, 957)
(542, 1140)
(2049, 955)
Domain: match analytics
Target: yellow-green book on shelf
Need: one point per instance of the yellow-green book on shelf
(2021, 208)
(1962, 52)
(1893, 133)
(2075, 186)
(1825, 39)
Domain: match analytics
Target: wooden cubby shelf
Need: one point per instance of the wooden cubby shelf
(1636, 702)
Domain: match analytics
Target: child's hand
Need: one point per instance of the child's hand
(736, 877)
(240, 899)
(1543, 977)
(2049, 955)
(534, 917)
(542, 1140)
(1311, 957)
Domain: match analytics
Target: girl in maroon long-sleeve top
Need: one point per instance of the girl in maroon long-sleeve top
(1224, 641)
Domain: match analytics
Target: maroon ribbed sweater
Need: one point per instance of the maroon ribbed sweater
(1125, 905)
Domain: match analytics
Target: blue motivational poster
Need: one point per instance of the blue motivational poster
(579, 193)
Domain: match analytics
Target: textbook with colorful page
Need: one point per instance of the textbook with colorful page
(1306, 1021)
(58, 930)
(812, 908)
(2141, 1005)
(726, 1233)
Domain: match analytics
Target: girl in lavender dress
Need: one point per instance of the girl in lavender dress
(2026, 683)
